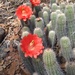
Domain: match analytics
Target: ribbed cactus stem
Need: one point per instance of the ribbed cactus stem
(61, 26)
(58, 11)
(53, 19)
(46, 9)
(70, 68)
(32, 21)
(66, 49)
(53, 1)
(46, 17)
(41, 34)
(39, 23)
(39, 66)
(50, 63)
(40, 14)
(25, 29)
(69, 12)
(25, 33)
(62, 6)
(54, 7)
(73, 53)
(52, 37)
(27, 61)
(49, 26)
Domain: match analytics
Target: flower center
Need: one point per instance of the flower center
(23, 12)
(31, 45)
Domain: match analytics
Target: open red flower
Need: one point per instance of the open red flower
(24, 12)
(35, 2)
(31, 45)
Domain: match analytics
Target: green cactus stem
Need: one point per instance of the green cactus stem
(62, 6)
(70, 68)
(53, 19)
(27, 61)
(39, 23)
(25, 33)
(61, 26)
(46, 17)
(37, 9)
(41, 34)
(54, 7)
(50, 63)
(25, 29)
(66, 49)
(53, 1)
(69, 12)
(39, 66)
(52, 37)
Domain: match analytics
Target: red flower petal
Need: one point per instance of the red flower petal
(35, 2)
(24, 12)
(31, 45)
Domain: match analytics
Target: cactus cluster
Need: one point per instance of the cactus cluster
(56, 27)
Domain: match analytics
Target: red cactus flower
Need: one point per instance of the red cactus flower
(24, 12)
(31, 45)
(35, 2)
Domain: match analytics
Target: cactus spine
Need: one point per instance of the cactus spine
(69, 12)
(46, 17)
(39, 23)
(27, 61)
(53, 19)
(61, 25)
(66, 49)
(39, 66)
(50, 63)
(52, 37)
(40, 33)
(62, 6)
(54, 7)
(70, 68)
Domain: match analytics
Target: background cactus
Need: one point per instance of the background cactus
(53, 20)
(69, 12)
(39, 23)
(54, 7)
(50, 63)
(52, 38)
(46, 17)
(66, 49)
(61, 26)
(70, 68)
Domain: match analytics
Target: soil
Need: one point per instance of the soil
(10, 61)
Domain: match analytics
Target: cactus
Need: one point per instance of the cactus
(66, 49)
(40, 33)
(39, 66)
(70, 68)
(61, 26)
(39, 23)
(53, 1)
(25, 29)
(73, 53)
(40, 14)
(27, 61)
(49, 26)
(52, 37)
(53, 19)
(58, 11)
(54, 7)
(62, 6)
(69, 12)
(46, 17)
(25, 33)
(46, 9)
(32, 22)
(50, 63)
